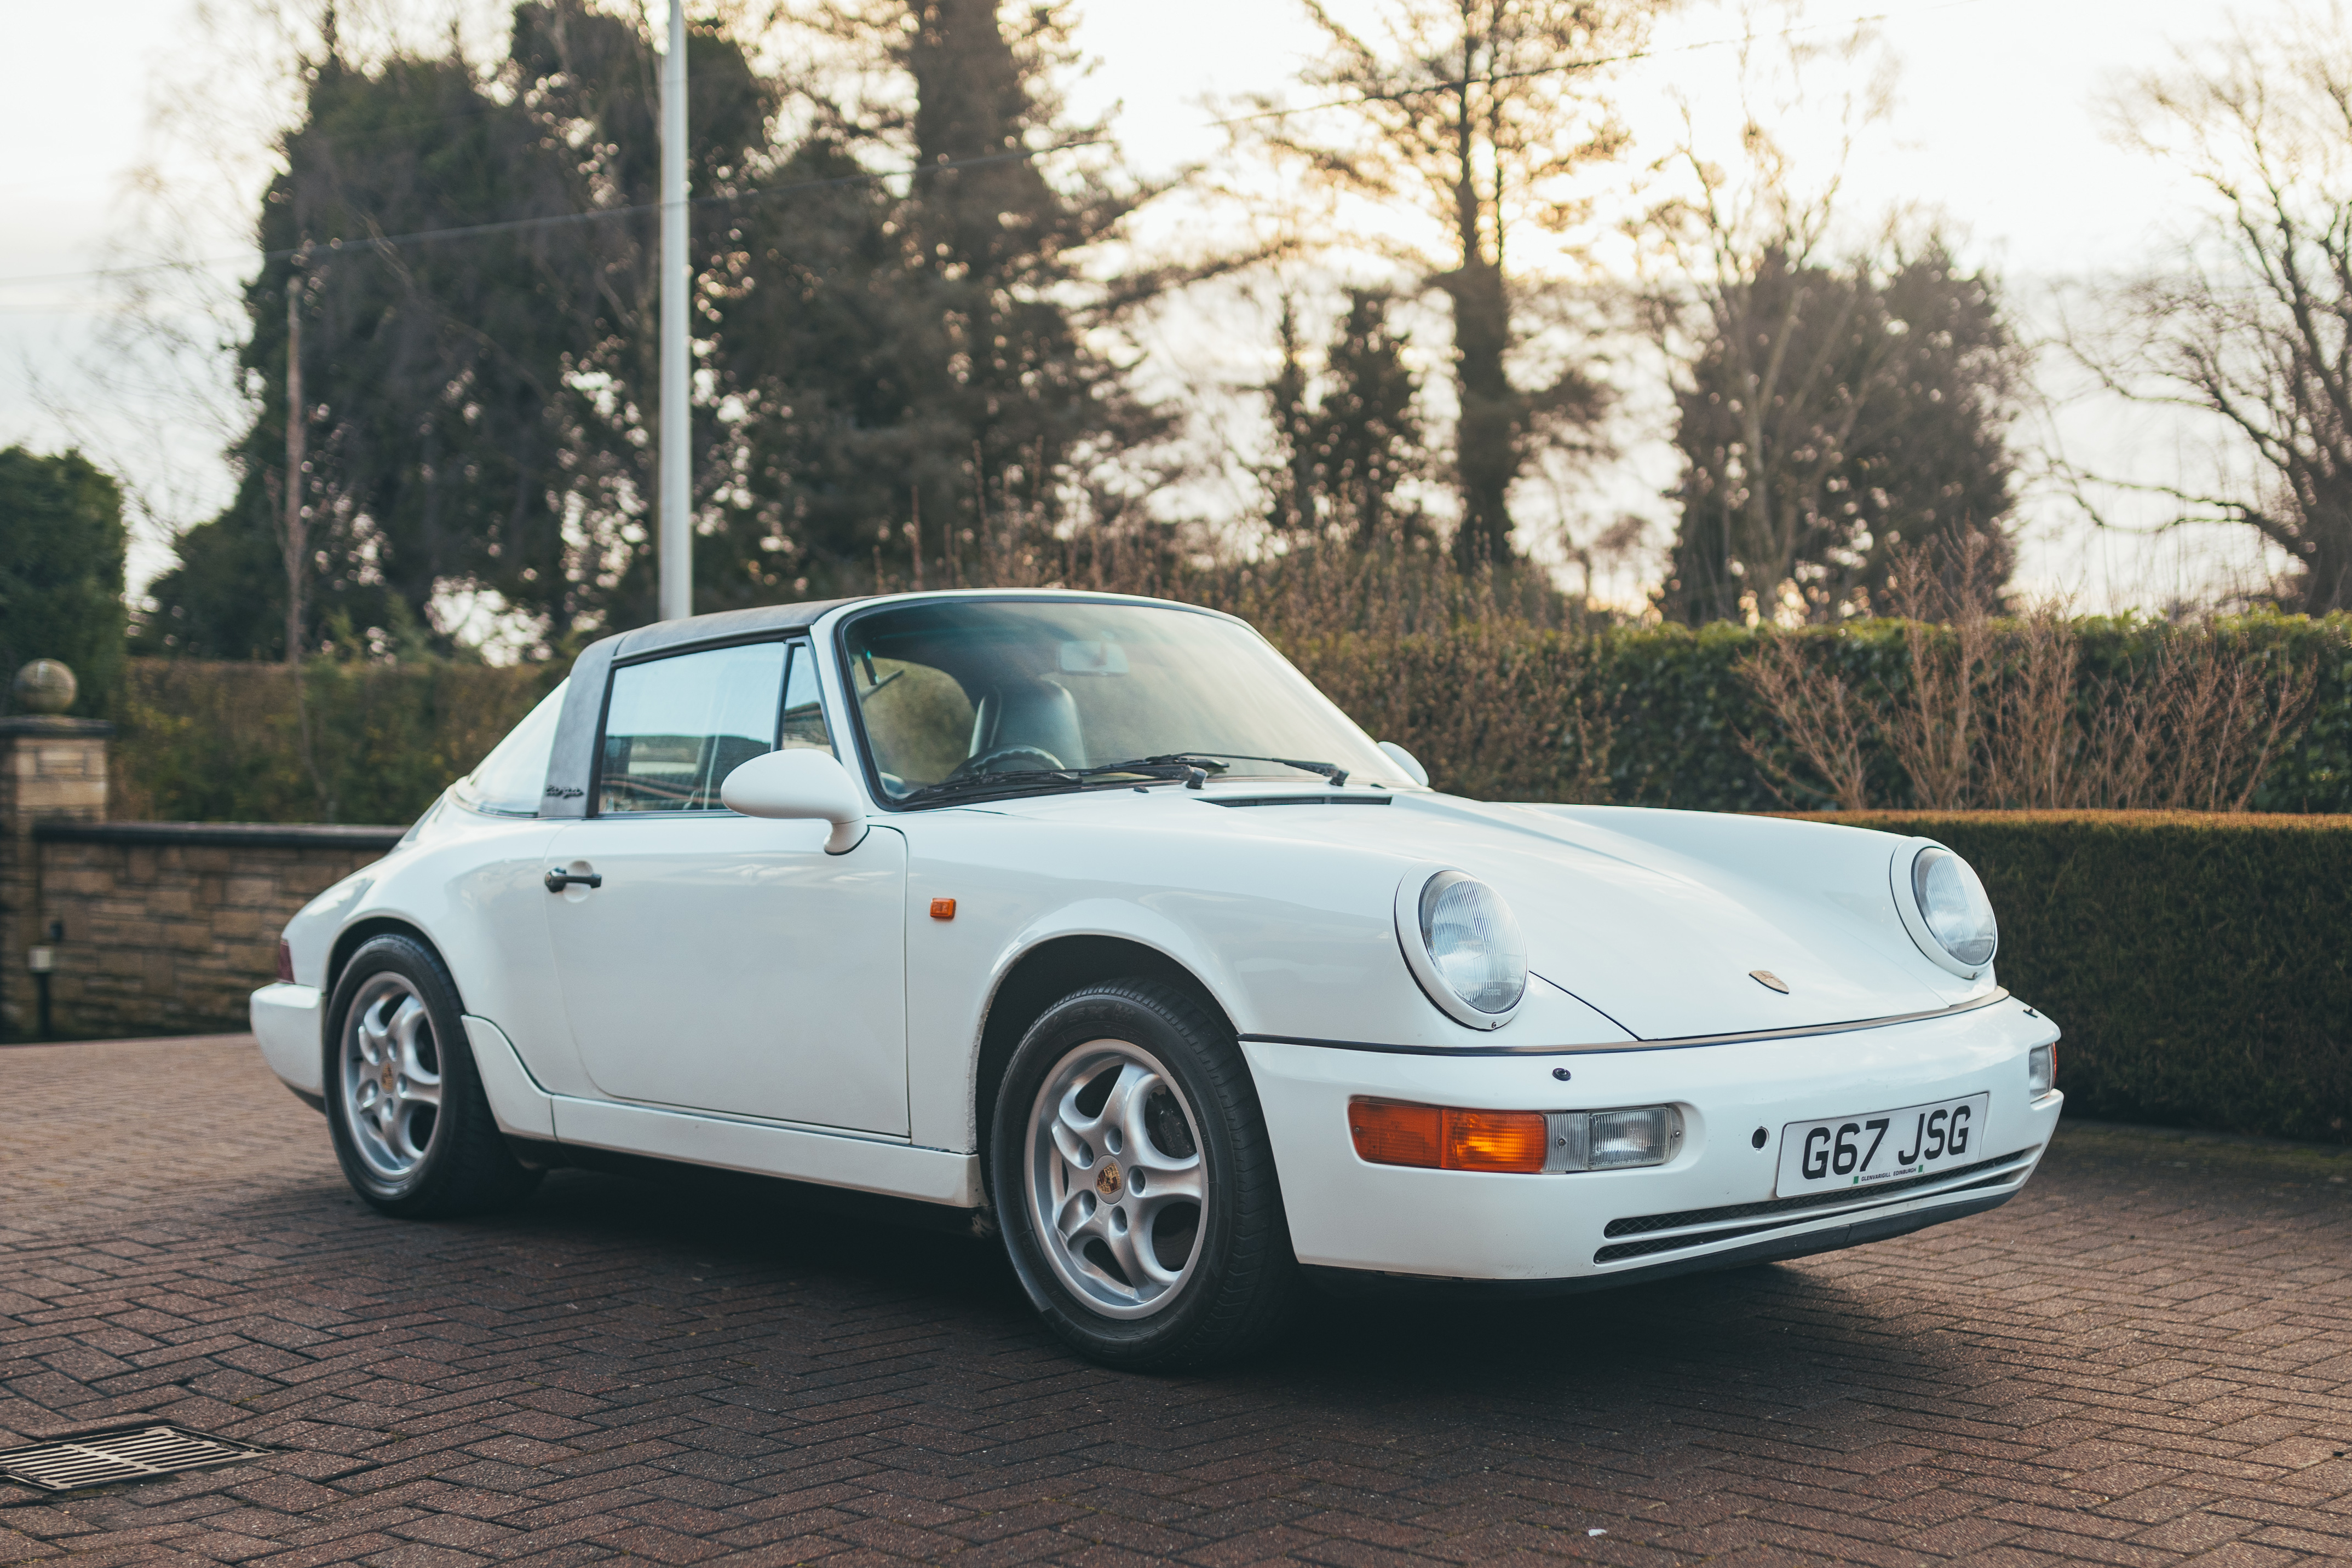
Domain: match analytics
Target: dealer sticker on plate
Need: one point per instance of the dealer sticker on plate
(1884, 1145)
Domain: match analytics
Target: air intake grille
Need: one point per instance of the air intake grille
(1841, 1195)
(125, 1454)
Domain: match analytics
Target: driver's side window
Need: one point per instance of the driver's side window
(674, 727)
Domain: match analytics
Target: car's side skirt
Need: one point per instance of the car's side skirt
(524, 1110)
(830, 1159)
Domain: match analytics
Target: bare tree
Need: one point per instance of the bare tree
(1485, 116)
(1998, 712)
(1839, 395)
(2248, 317)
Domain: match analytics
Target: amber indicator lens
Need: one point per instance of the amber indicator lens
(1436, 1137)
(943, 909)
(1388, 1133)
(1494, 1140)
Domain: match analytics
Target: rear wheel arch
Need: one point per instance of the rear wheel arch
(361, 932)
(1043, 976)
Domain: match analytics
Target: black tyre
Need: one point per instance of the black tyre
(410, 1123)
(1132, 1178)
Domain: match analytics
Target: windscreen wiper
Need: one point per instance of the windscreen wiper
(1331, 771)
(1031, 778)
(1191, 766)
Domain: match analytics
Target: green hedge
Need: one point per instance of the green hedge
(2199, 964)
(1677, 706)
(1497, 710)
(204, 742)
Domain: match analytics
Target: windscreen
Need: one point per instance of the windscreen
(950, 689)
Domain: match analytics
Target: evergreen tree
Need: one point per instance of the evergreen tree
(1349, 439)
(1482, 113)
(1009, 403)
(1832, 418)
(61, 548)
(481, 406)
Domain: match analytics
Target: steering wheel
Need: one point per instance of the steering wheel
(983, 763)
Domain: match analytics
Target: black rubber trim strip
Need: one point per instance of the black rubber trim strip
(1643, 1224)
(1998, 994)
(1365, 1282)
(1683, 1244)
(1299, 800)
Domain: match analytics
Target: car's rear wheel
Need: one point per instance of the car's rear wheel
(1134, 1184)
(412, 1128)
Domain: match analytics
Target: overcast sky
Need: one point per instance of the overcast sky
(1993, 127)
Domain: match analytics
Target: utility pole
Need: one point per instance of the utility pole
(675, 546)
(298, 441)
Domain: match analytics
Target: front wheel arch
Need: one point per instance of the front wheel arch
(1240, 1286)
(1041, 977)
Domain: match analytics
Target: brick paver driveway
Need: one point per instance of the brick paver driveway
(2145, 1359)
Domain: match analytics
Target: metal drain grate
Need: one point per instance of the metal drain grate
(124, 1454)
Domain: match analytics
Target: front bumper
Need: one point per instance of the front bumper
(1711, 1206)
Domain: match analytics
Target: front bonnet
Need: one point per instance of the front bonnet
(1665, 942)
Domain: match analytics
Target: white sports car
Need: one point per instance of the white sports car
(1090, 916)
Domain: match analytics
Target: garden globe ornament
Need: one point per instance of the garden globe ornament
(45, 685)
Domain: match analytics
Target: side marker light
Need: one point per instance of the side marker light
(943, 909)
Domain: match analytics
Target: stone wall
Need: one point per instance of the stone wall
(169, 925)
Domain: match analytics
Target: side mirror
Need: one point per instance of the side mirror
(1404, 759)
(799, 785)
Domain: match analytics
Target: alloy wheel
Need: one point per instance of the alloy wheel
(1115, 1181)
(391, 1076)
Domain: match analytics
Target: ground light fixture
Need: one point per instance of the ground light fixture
(1445, 1137)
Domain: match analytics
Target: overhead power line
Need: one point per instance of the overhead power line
(554, 220)
(641, 209)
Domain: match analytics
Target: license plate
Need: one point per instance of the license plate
(1884, 1145)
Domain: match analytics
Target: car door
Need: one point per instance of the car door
(723, 963)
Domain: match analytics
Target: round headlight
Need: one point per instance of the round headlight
(1953, 907)
(1471, 958)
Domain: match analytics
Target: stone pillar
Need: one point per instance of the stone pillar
(51, 770)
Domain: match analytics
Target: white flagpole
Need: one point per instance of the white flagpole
(675, 548)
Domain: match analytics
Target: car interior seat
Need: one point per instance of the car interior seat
(1037, 713)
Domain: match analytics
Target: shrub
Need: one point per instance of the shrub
(219, 742)
(1496, 705)
(2196, 961)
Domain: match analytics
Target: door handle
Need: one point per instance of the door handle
(559, 879)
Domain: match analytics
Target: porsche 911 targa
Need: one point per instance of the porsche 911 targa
(1090, 917)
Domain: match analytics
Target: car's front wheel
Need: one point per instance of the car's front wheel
(1134, 1183)
(412, 1128)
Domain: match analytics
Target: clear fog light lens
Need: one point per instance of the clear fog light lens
(1622, 1138)
(1474, 941)
(2041, 1070)
(1953, 904)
